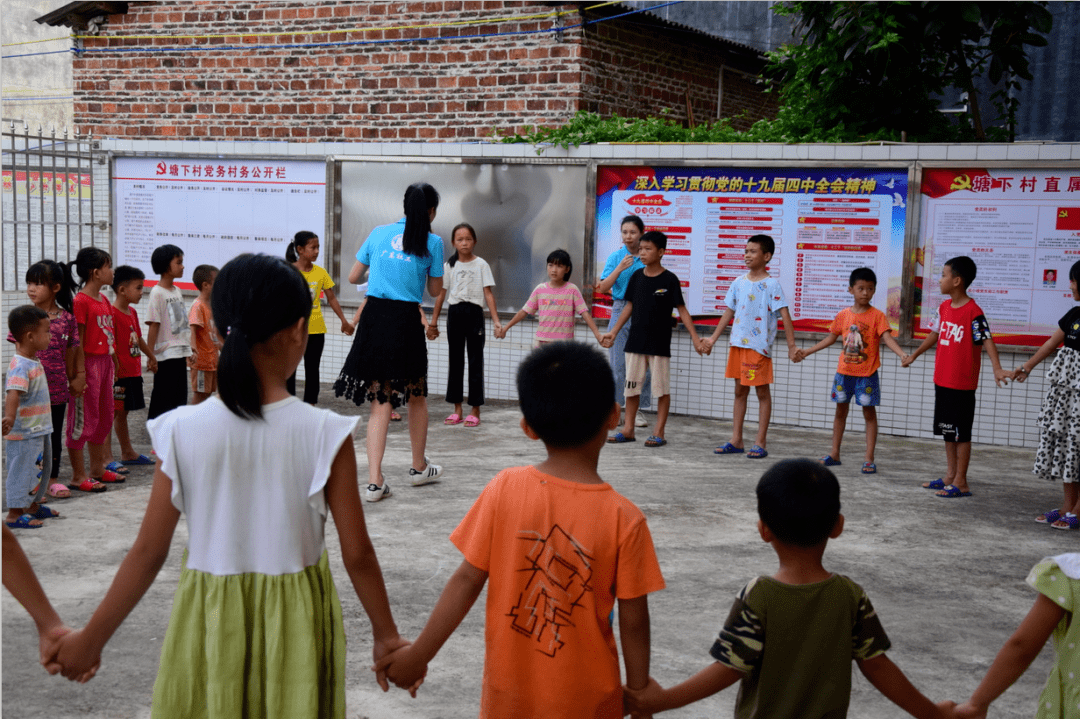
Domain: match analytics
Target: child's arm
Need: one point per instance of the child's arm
(151, 332)
(1021, 373)
(331, 299)
(653, 698)
(587, 316)
(634, 631)
(357, 552)
(356, 315)
(891, 343)
(789, 332)
(707, 344)
(433, 324)
(1000, 375)
(151, 360)
(688, 323)
(489, 297)
(77, 383)
(608, 339)
(829, 340)
(890, 681)
(1015, 657)
(80, 651)
(20, 580)
(407, 666)
(11, 409)
(521, 314)
(927, 343)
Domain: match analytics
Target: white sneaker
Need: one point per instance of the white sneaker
(374, 492)
(640, 420)
(427, 476)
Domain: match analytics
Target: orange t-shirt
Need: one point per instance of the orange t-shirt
(558, 555)
(861, 333)
(202, 330)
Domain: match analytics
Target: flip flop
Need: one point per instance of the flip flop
(828, 461)
(117, 468)
(951, 492)
(141, 459)
(472, 421)
(655, 441)
(1049, 517)
(455, 418)
(728, 448)
(869, 468)
(88, 485)
(936, 484)
(620, 438)
(44, 512)
(757, 452)
(24, 521)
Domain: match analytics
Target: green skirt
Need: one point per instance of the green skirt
(252, 645)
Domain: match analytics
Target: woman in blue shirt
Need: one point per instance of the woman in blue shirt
(387, 364)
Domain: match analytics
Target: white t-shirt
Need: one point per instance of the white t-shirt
(166, 307)
(252, 490)
(465, 281)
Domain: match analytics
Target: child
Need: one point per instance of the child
(169, 335)
(963, 332)
(651, 295)
(555, 303)
(753, 303)
(302, 252)
(863, 327)
(91, 415)
(128, 388)
(204, 337)
(27, 422)
(256, 627)
(1057, 579)
(559, 546)
(467, 283)
(1059, 442)
(790, 638)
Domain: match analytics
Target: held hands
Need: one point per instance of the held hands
(432, 331)
(74, 657)
(795, 354)
(1001, 377)
(77, 385)
(49, 645)
(402, 665)
(151, 365)
(500, 332)
(907, 360)
(967, 710)
(607, 340)
(347, 328)
(1019, 375)
(642, 702)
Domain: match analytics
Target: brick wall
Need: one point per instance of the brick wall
(402, 89)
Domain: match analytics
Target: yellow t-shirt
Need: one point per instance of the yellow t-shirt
(318, 280)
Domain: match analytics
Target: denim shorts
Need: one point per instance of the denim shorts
(866, 391)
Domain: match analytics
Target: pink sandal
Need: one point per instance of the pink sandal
(455, 418)
(472, 421)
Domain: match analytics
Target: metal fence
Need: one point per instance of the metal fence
(48, 199)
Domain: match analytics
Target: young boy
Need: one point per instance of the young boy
(27, 422)
(560, 546)
(863, 328)
(651, 294)
(169, 335)
(960, 332)
(204, 337)
(130, 346)
(790, 638)
(753, 303)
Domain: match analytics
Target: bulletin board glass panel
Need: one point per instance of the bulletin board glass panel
(826, 221)
(521, 212)
(1022, 228)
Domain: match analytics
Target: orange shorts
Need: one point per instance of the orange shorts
(749, 367)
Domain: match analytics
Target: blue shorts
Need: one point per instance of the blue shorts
(866, 391)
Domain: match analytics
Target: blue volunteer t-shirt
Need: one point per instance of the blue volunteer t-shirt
(395, 274)
(618, 290)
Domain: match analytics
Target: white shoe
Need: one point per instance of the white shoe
(374, 492)
(427, 476)
(640, 420)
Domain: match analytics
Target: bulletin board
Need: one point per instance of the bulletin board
(213, 208)
(1022, 228)
(826, 221)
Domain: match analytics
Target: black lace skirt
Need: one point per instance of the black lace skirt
(388, 359)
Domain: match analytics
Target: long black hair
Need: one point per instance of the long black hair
(52, 273)
(88, 260)
(459, 226)
(255, 297)
(1074, 272)
(302, 238)
(420, 199)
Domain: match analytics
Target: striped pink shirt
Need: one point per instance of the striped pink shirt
(556, 308)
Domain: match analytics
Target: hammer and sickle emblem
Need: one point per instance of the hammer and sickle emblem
(961, 182)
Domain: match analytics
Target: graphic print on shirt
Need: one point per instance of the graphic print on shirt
(105, 324)
(177, 316)
(854, 346)
(558, 574)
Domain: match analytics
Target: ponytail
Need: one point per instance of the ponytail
(255, 297)
(50, 273)
(453, 233)
(301, 239)
(88, 260)
(420, 199)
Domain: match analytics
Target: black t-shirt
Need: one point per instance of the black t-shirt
(653, 299)
(1070, 325)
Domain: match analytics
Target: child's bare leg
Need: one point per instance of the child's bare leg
(457, 408)
(98, 453)
(870, 415)
(15, 512)
(78, 467)
(950, 460)
(662, 406)
(123, 437)
(839, 423)
(764, 398)
(632, 404)
(963, 459)
(474, 411)
(378, 426)
(1072, 498)
(738, 413)
(418, 421)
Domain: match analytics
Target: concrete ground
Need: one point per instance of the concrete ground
(946, 576)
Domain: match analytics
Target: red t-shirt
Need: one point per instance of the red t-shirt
(961, 333)
(128, 335)
(98, 317)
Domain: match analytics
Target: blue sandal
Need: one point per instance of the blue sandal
(951, 492)
(620, 438)
(869, 468)
(23, 522)
(938, 483)
(757, 452)
(828, 461)
(729, 448)
(141, 459)
(117, 467)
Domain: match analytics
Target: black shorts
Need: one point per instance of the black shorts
(954, 413)
(128, 394)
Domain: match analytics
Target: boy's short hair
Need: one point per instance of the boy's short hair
(23, 319)
(561, 257)
(964, 268)
(566, 391)
(799, 501)
(125, 273)
(163, 256)
(656, 238)
(202, 275)
(862, 273)
(765, 242)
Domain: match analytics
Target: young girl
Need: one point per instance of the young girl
(467, 286)
(256, 626)
(1058, 458)
(92, 414)
(1057, 579)
(302, 252)
(555, 303)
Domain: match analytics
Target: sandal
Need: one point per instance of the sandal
(141, 459)
(938, 483)
(455, 418)
(44, 512)
(1049, 517)
(869, 468)
(116, 467)
(394, 416)
(88, 485)
(728, 448)
(620, 438)
(110, 477)
(950, 491)
(26, 521)
(655, 441)
(1067, 522)
(828, 461)
(757, 452)
(472, 421)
